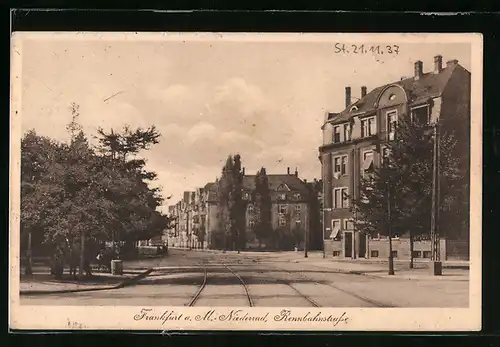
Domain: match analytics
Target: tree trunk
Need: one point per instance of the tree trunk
(82, 254)
(29, 261)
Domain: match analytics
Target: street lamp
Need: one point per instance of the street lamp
(389, 228)
(436, 265)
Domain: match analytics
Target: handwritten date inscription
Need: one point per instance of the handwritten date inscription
(342, 48)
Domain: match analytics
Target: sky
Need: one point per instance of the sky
(263, 99)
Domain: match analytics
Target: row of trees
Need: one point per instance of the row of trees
(396, 198)
(75, 196)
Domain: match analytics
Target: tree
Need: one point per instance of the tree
(262, 206)
(139, 219)
(39, 155)
(74, 199)
(395, 198)
(231, 207)
(224, 187)
(237, 206)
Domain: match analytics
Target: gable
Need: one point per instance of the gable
(283, 188)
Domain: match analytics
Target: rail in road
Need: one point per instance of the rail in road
(198, 293)
(331, 285)
(204, 284)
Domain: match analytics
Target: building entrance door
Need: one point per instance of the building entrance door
(348, 245)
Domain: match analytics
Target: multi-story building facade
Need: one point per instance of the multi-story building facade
(294, 205)
(353, 143)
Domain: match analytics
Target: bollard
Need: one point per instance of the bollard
(116, 267)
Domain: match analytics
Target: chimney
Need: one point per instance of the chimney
(288, 170)
(243, 171)
(186, 196)
(347, 96)
(419, 67)
(450, 63)
(438, 63)
(296, 173)
(363, 91)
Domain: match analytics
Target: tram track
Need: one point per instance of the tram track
(198, 293)
(331, 285)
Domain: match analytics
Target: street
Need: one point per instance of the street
(196, 278)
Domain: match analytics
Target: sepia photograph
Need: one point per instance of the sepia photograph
(246, 181)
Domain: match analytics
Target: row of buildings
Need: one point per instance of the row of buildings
(353, 143)
(295, 206)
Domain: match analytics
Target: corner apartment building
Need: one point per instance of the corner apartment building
(294, 203)
(353, 142)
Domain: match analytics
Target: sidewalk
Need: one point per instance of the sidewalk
(380, 270)
(42, 282)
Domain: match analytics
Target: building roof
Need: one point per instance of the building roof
(294, 183)
(429, 85)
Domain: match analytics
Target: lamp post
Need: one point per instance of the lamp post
(389, 228)
(306, 235)
(436, 266)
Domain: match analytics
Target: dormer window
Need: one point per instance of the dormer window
(353, 109)
(336, 134)
(282, 196)
(392, 97)
(297, 196)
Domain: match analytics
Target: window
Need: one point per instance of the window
(348, 224)
(340, 198)
(374, 254)
(420, 115)
(335, 235)
(282, 196)
(368, 127)
(367, 165)
(343, 165)
(392, 120)
(246, 196)
(340, 165)
(250, 208)
(282, 221)
(336, 165)
(417, 254)
(336, 253)
(427, 254)
(347, 132)
(297, 222)
(297, 208)
(297, 196)
(336, 134)
(282, 209)
(394, 254)
(251, 223)
(392, 97)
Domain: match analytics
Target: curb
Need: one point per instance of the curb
(365, 274)
(125, 283)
